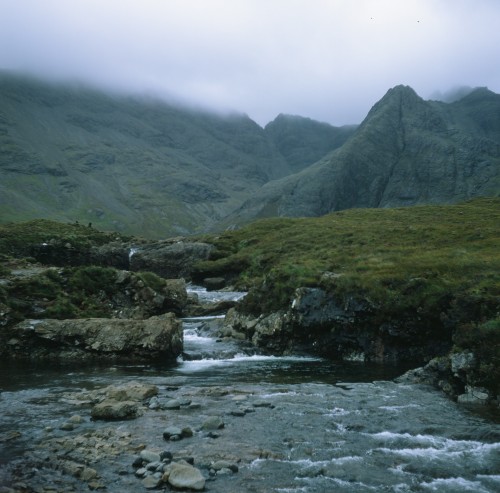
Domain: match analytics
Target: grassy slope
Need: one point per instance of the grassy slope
(440, 264)
(140, 166)
(380, 252)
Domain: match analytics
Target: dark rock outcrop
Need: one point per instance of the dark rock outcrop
(169, 259)
(347, 328)
(156, 337)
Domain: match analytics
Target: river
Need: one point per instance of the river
(292, 424)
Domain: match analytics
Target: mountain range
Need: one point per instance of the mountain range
(143, 166)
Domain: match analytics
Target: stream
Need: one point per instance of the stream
(292, 424)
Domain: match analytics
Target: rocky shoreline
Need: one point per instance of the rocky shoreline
(92, 450)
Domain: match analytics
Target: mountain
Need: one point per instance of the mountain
(137, 165)
(303, 141)
(142, 166)
(407, 151)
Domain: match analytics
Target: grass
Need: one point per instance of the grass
(394, 257)
(17, 239)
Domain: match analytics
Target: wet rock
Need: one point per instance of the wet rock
(116, 410)
(151, 482)
(238, 413)
(172, 433)
(213, 423)
(170, 259)
(263, 404)
(97, 338)
(6, 436)
(224, 464)
(150, 456)
(184, 476)
(474, 395)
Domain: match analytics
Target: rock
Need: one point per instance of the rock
(98, 338)
(170, 259)
(115, 410)
(184, 476)
(214, 283)
(238, 413)
(224, 464)
(76, 419)
(6, 436)
(150, 456)
(151, 482)
(171, 432)
(172, 404)
(213, 423)
(87, 474)
(132, 391)
(462, 362)
(474, 395)
(154, 403)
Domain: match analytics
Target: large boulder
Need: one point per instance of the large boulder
(184, 476)
(156, 337)
(169, 259)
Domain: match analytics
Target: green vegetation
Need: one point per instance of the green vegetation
(439, 265)
(17, 239)
(396, 258)
(78, 292)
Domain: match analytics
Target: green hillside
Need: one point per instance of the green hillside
(127, 164)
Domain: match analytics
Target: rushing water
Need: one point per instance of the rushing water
(314, 425)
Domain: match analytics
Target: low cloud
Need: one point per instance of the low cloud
(329, 59)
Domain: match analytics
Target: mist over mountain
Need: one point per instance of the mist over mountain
(144, 166)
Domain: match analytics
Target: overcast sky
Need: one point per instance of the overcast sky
(330, 60)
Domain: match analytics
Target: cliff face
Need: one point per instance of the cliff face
(407, 151)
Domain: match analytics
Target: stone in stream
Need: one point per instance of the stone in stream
(150, 456)
(224, 464)
(213, 423)
(151, 482)
(184, 476)
(114, 410)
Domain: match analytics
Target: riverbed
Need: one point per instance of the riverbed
(290, 424)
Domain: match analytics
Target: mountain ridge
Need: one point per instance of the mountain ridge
(147, 167)
(407, 151)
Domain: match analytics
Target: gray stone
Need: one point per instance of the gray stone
(213, 423)
(224, 464)
(116, 410)
(151, 482)
(462, 362)
(150, 456)
(184, 476)
(474, 395)
(171, 431)
(100, 338)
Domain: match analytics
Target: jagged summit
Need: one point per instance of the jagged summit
(407, 151)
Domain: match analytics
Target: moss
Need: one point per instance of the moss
(156, 283)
